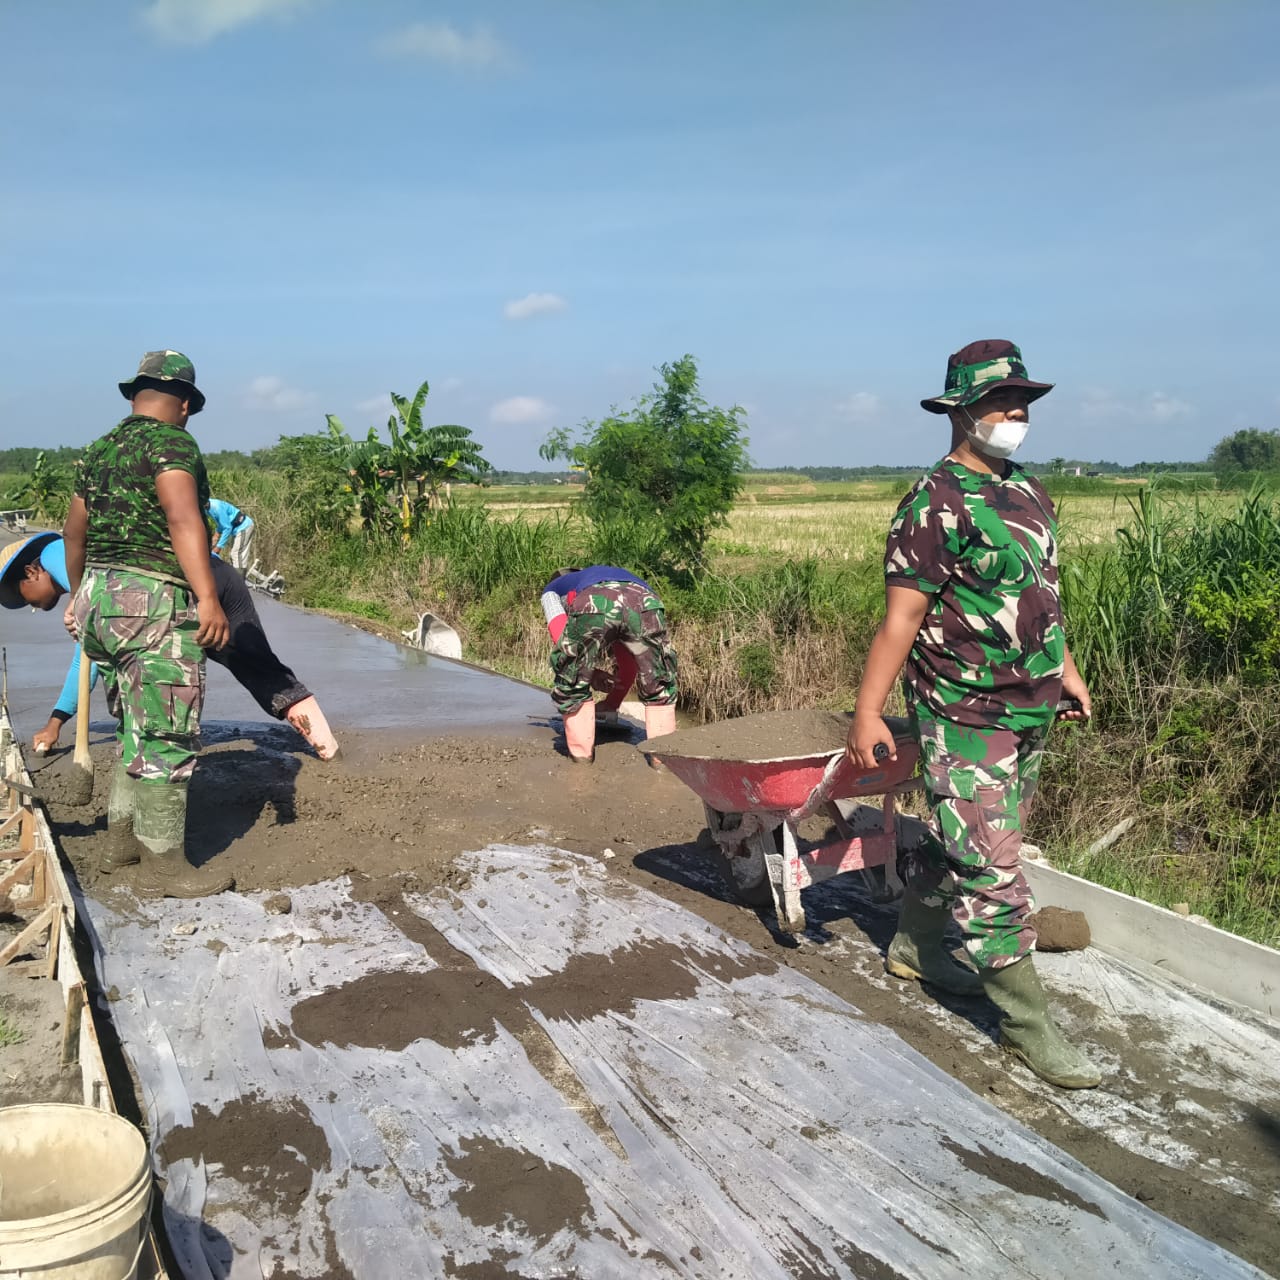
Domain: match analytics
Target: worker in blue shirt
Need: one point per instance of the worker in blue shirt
(34, 572)
(233, 534)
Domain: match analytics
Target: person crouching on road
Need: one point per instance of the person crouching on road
(145, 606)
(34, 572)
(973, 610)
(596, 613)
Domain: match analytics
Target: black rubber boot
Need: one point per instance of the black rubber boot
(160, 821)
(1029, 1032)
(118, 848)
(917, 949)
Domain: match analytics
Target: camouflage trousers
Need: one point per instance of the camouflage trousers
(604, 616)
(979, 784)
(141, 631)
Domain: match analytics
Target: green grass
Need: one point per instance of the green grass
(10, 1032)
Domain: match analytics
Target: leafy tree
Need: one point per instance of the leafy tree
(662, 476)
(46, 489)
(1247, 450)
(398, 485)
(321, 494)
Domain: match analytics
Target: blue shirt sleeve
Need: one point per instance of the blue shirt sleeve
(54, 559)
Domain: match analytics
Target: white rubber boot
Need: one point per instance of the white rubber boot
(580, 733)
(659, 720)
(308, 719)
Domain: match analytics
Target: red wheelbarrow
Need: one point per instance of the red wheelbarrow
(753, 808)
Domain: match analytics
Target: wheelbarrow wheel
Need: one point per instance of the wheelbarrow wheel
(746, 878)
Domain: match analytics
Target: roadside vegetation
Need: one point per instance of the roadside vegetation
(773, 587)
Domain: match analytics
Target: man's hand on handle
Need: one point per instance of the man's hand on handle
(47, 738)
(871, 741)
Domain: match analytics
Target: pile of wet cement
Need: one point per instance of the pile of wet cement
(768, 735)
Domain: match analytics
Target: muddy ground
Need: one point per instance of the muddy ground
(393, 814)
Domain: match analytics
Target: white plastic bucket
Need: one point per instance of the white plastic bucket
(74, 1187)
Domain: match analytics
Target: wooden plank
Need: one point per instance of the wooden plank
(55, 936)
(42, 922)
(9, 819)
(21, 872)
(39, 882)
(71, 1025)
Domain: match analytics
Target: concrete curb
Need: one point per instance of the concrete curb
(1228, 966)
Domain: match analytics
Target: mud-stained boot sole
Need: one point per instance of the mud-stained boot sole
(909, 973)
(1084, 1081)
(153, 886)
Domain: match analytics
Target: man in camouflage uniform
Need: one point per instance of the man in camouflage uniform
(596, 613)
(973, 609)
(144, 603)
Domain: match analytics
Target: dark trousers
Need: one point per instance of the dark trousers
(248, 654)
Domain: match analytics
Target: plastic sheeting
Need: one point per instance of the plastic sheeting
(753, 1125)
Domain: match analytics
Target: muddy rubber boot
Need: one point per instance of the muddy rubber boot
(918, 952)
(118, 848)
(308, 719)
(1029, 1032)
(160, 822)
(580, 733)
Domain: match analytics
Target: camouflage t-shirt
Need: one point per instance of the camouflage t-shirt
(117, 480)
(990, 650)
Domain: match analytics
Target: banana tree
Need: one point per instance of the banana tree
(400, 483)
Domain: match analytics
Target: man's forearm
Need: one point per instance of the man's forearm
(885, 659)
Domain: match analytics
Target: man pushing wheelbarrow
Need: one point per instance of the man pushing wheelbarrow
(973, 610)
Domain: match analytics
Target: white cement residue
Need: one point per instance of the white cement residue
(762, 1117)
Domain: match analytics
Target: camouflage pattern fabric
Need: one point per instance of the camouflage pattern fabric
(979, 784)
(117, 480)
(141, 631)
(991, 648)
(167, 366)
(602, 616)
(981, 367)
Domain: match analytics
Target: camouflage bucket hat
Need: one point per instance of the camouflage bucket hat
(168, 366)
(13, 563)
(981, 367)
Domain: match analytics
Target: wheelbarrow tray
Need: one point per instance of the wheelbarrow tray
(753, 807)
(785, 783)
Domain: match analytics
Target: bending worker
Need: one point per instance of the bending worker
(234, 534)
(34, 573)
(594, 614)
(973, 610)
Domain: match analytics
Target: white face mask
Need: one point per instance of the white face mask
(996, 440)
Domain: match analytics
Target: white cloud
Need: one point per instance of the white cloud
(198, 21)
(862, 406)
(533, 304)
(1164, 408)
(442, 42)
(1155, 406)
(520, 410)
(273, 394)
(379, 404)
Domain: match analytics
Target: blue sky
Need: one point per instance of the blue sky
(533, 205)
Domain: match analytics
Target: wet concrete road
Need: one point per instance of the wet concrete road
(362, 682)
